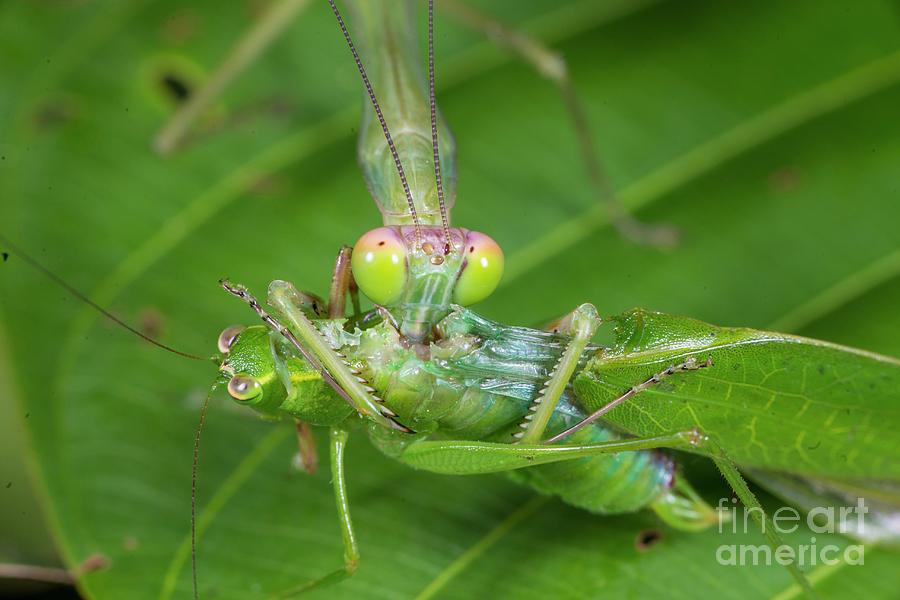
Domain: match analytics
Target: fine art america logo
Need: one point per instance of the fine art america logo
(786, 520)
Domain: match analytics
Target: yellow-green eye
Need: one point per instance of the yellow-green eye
(482, 270)
(379, 265)
(244, 388)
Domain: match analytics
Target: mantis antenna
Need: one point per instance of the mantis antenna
(384, 127)
(434, 133)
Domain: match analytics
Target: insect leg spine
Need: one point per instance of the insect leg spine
(690, 364)
(582, 326)
(333, 344)
(241, 292)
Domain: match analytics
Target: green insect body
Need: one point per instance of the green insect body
(437, 387)
(477, 383)
(416, 264)
(386, 31)
(279, 383)
(440, 388)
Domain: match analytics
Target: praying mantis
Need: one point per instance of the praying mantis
(686, 376)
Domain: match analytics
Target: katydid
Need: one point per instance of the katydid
(406, 373)
(421, 373)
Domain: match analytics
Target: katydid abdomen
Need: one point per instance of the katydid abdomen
(478, 383)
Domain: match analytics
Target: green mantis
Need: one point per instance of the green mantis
(623, 383)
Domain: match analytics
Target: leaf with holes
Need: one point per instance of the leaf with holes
(767, 134)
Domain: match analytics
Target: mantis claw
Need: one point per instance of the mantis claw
(399, 427)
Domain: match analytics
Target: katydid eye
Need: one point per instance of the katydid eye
(227, 337)
(244, 388)
(481, 271)
(379, 265)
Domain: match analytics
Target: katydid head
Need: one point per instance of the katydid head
(249, 368)
(264, 374)
(417, 274)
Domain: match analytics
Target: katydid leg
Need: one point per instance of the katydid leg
(455, 457)
(552, 65)
(468, 458)
(583, 324)
(338, 441)
(307, 457)
(690, 364)
(737, 482)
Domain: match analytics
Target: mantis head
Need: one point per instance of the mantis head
(416, 264)
(418, 273)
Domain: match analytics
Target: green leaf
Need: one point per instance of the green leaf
(767, 133)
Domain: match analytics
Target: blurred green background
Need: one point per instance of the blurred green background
(768, 132)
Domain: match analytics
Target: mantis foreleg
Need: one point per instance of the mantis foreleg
(583, 324)
(338, 441)
(552, 65)
(304, 336)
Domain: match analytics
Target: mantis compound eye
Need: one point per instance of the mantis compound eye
(227, 337)
(481, 271)
(379, 265)
(244, 388)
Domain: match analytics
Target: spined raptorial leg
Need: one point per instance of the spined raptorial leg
(303, 335)
(691, 364)
(342, 283)
(338, 438)
(582, 325)
(562, 324)
(552, 66)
